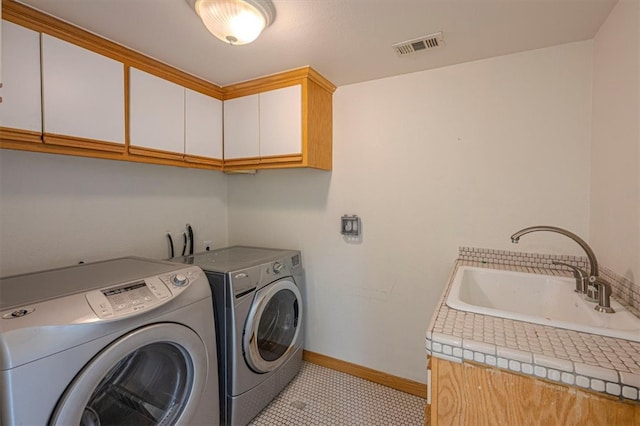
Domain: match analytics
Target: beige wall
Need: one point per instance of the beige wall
(463, 155)
(57, 210)
(615, 151)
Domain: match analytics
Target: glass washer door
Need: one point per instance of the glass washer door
(273, 326)
(152, 376)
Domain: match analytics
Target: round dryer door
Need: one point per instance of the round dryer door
(152, 376)
(273, 327)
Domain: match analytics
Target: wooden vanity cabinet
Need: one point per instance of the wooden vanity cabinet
(469, 393)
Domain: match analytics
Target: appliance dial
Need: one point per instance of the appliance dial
(179, 280)
(277, 267)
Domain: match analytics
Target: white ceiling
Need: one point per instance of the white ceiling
(347, 41)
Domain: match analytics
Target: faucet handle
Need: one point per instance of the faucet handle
(604, 294)
(578, 273)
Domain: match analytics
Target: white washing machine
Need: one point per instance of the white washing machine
(259, 322)
(124, 341)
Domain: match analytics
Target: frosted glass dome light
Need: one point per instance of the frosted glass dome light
(235, 21)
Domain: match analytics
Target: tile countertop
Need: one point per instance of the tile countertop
(597, 363)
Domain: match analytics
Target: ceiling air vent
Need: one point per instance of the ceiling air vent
(427, 42)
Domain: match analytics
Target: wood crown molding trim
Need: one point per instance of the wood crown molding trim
(277, 81)
(394, 382)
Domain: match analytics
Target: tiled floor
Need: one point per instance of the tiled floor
(320, 396)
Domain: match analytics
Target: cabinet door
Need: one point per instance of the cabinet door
(156, 113)
(281, 122)
(83, 93)
(241, 132)
(462, 393)
(21, 106)
(203, 125)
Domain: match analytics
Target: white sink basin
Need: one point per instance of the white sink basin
(541, 299)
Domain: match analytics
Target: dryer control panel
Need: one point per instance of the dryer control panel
(125, 299)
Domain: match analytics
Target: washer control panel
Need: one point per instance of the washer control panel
(126, 299)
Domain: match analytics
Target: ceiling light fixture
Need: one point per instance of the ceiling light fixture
(235, 21)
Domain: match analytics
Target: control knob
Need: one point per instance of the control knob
(277, 267)
(179, 280)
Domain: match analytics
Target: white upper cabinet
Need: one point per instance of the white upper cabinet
(83, 93)
(267, 124)
(241, 128)
(66, 98)
(281, 121)
(21, 106)
(169, 121)
(203, 125)
(156, 113)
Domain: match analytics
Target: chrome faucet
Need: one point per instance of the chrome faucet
(604, 288)
(593, 263)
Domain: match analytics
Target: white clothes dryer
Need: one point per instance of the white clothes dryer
(259, 324)
(124, 341)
